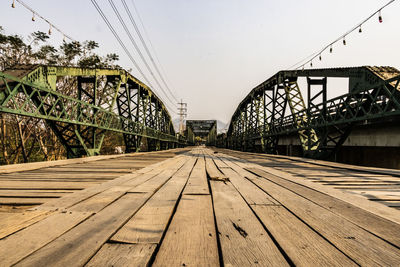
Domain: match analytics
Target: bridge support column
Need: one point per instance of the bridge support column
(153, 144)
(164, 145)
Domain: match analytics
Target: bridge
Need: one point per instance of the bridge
(243, 200)
(261, 121)
(100, 100)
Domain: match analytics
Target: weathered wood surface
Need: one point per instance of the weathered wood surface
(122, 255)
(191, 239)
(32, 184)
(376, 184)
(203, 208)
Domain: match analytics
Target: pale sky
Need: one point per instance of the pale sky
(215, 51)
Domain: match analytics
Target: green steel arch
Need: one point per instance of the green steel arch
(81, 104)
(261, 117)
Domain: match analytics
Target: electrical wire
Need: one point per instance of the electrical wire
(146, 47)
(52, 26)
(99, 10)
(151, 44)
(101, 13)
(120, 19)
(309, 59)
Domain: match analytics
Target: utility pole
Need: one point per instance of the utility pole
(182, 111)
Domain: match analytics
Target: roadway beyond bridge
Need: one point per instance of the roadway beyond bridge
(199, 207)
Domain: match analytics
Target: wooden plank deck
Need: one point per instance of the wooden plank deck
(21, 189)
(376, 184)
(201, 207)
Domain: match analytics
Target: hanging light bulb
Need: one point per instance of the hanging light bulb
(311, 64)
(320, 57)
(344, 40)
(50, 29)
(330, 50)
(13, 4)
(380, 17)
(360, 30)
(33, 17)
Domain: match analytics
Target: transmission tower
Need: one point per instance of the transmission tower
(182, 111)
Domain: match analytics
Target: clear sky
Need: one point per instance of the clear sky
(215, 51)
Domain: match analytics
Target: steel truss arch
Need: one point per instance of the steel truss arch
(261, 119)
(92, 102)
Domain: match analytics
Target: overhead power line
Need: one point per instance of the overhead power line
(151, 44)
(318, 54)
(100, 11)
(120, 19)
(122, 44)
(36, 14)
(146, 47)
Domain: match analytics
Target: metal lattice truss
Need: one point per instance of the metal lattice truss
(205, 129)
(81, 104)
(260, 119)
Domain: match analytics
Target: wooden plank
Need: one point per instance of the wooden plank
(26, 241)
(65, 178)
(244, 242)
(358, 244)
(149, 223)
(212, 169)
(163, 164)
(247, 189)
(92, 233)
(386, 229)
(13, 222)
(157, 181)
(319, 163)
(34, 193)
(92, 204)
(15, 201)
(197, 183)
(191, 237)
(99, 201)
(45, 185)
(125, 180)
(77, 246)
(356, 200)
(79, 196)
(39, 165)
(220, 164)
(303, 245)
(121, 255)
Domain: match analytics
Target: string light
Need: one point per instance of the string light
(35, 14)
(342, 38)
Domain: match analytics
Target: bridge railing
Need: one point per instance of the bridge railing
(374, 103)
